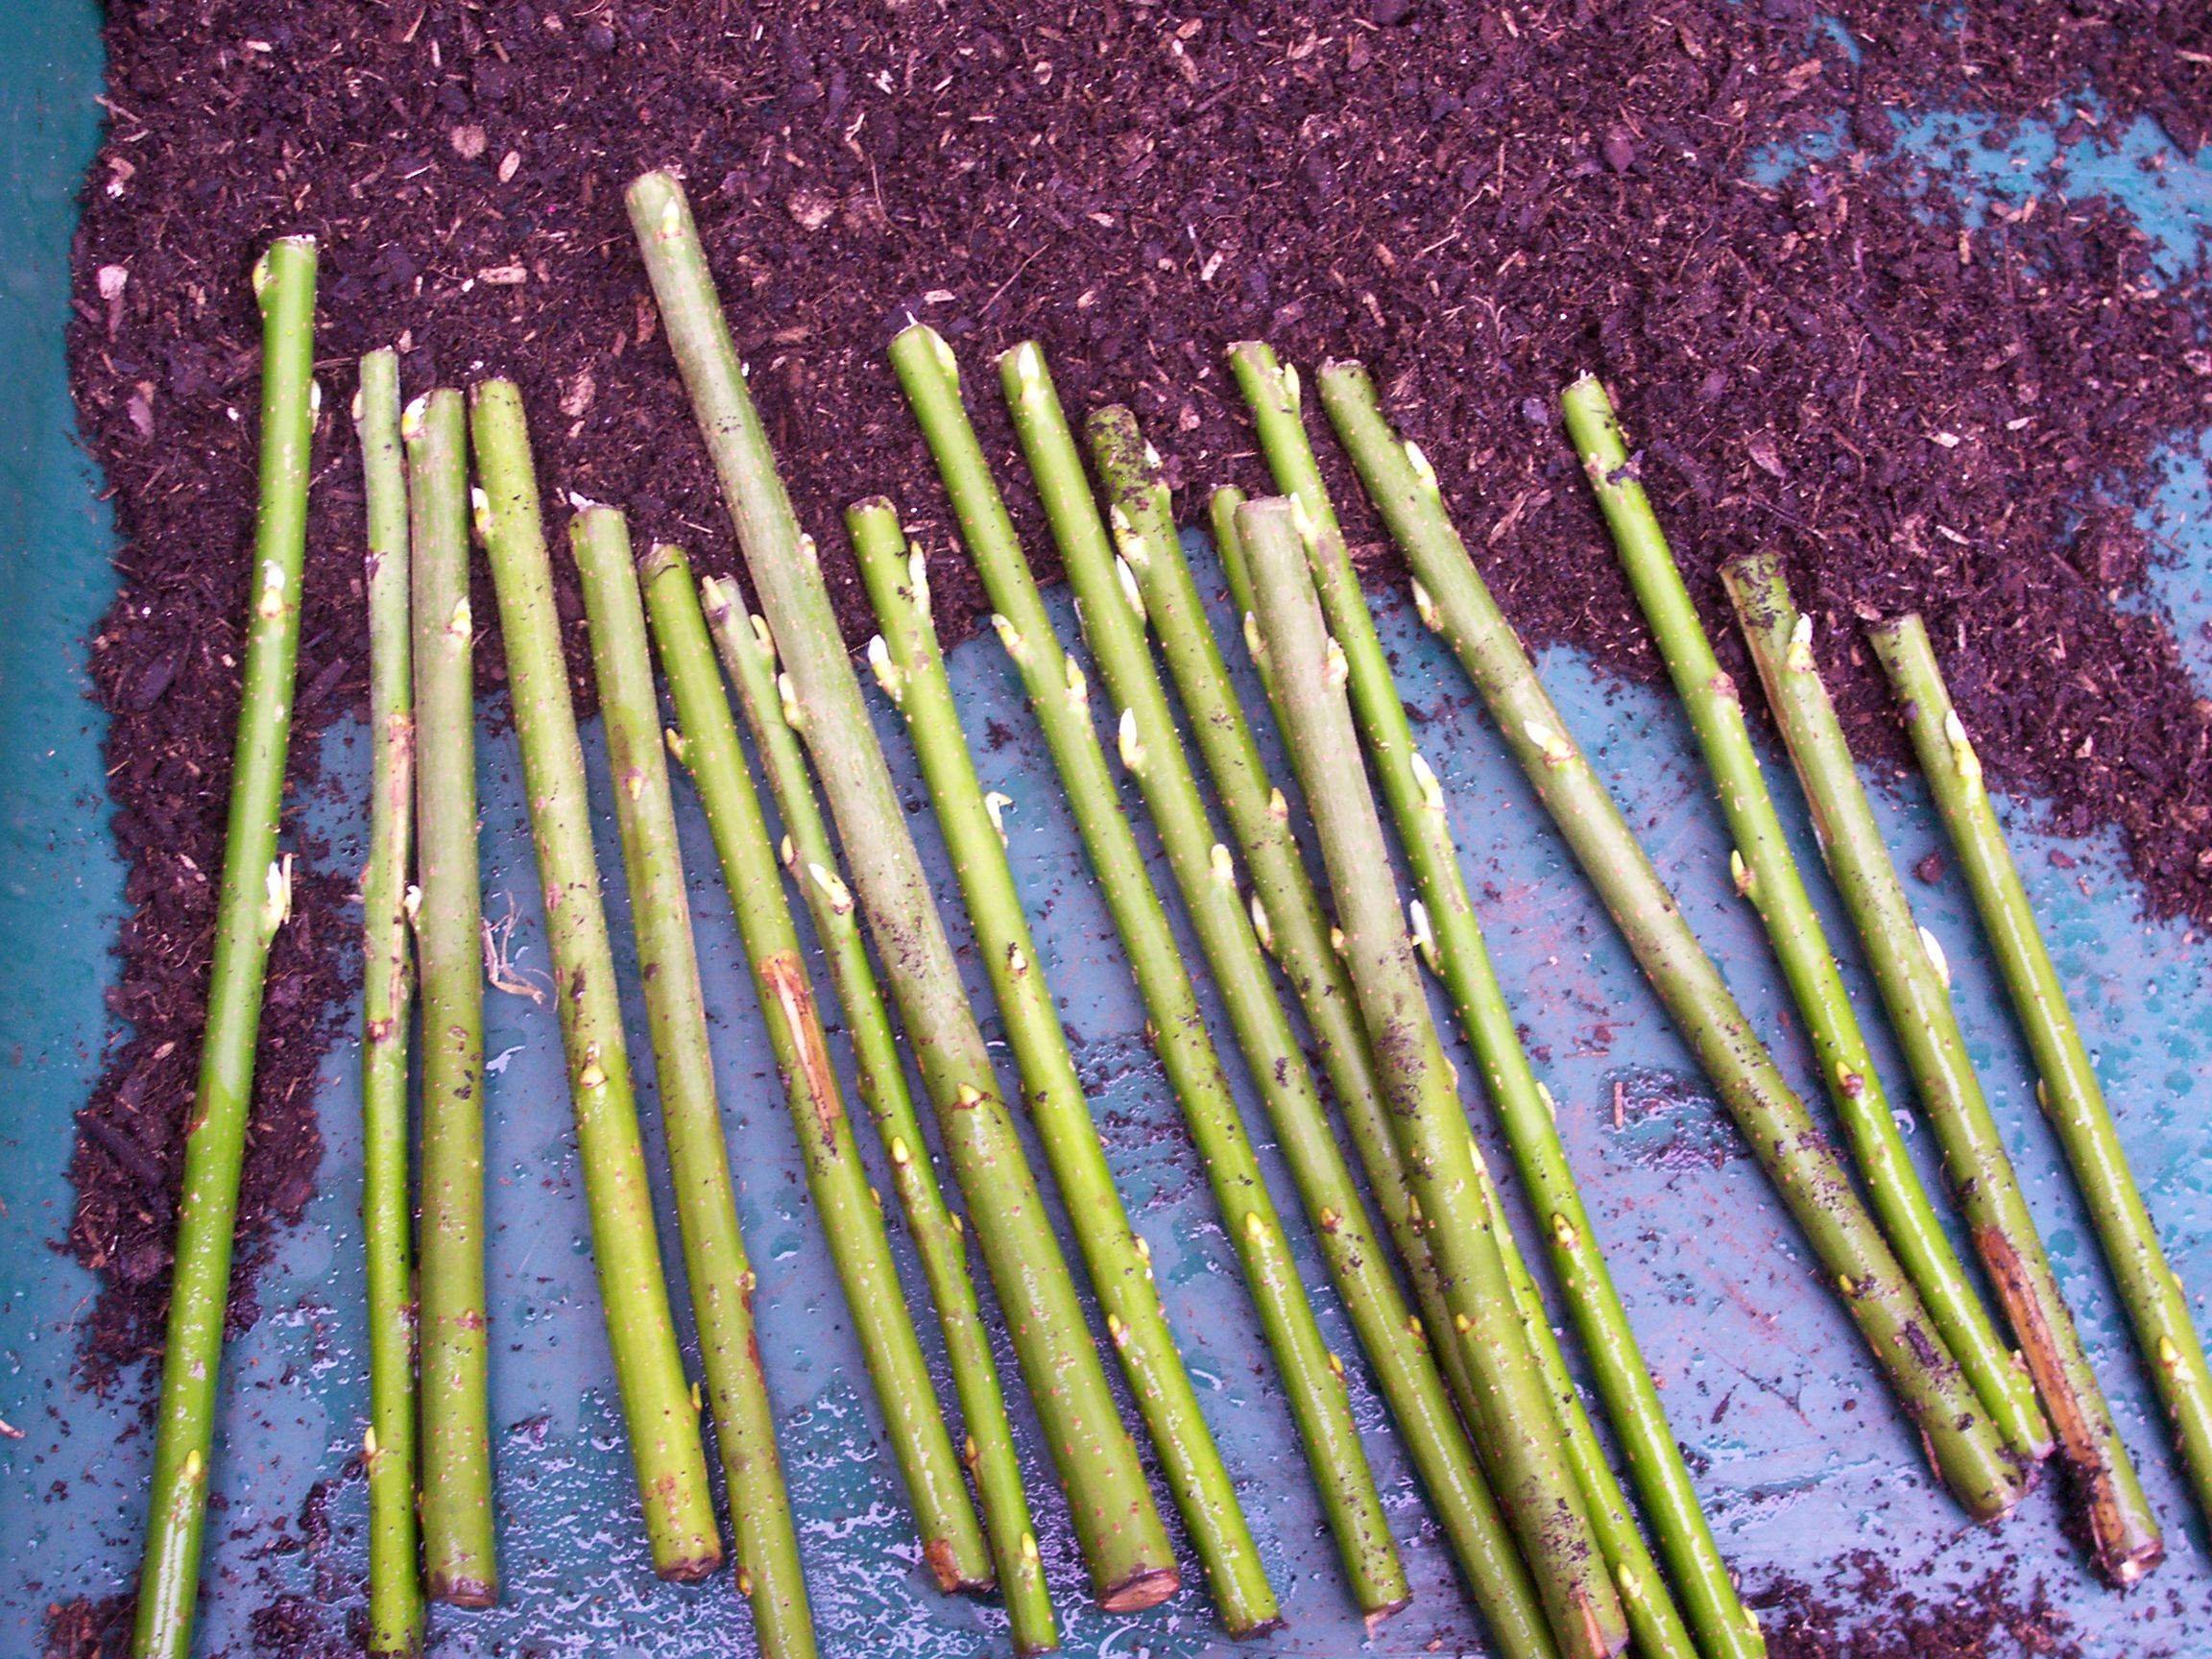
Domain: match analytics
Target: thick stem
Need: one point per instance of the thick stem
(1312, 1377)
(1124, 1543)
(459, 1545)
(851, 1221)
(1462, 958)
(1910, 972)
(811, 859)
(1516, 1419)
(1774, 1121)
(714, 1261)
(254, 900)
(1120, 1264)
(1282, 901)
(1766, 873)
(657, 1406)
(2067, 1084)
(387, 987)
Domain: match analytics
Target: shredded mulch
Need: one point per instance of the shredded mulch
(1923, 401)
(1866, 1610)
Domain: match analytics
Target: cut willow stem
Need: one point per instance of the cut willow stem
(1313, 1376)
(811, 859)
(2066, 1084)
(1406, 1369)
(715, 1265)
(1462, 958)
(1797, 1158)
(658, 1411)
(459, 1541)
(1120, 1263)
(1123, 1540)
(1517, 1421)
(705, 740)
(1112, 614)
(1655, 1627)
(1766, 873)
(1914, 983)
(387, 987)
(254, 900)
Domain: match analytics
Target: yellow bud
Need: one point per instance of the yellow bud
(886, 671)
(1290, 384)
(1078, 688)
(369, 1443)
(1425, 608)
(1422, 472)
(1740, 872)
(1262, 927)
(1414, 1325)
(1798, 657)
(1423, 775)
(996, 805)
(833, 887)
(1462, 1324)
(788, 698)
(1028, 1546)
(1129, 742)
(1223, 864)
(1130, 591)
(1255, 643)
(1278, 808)
(1009, 637)
(1336, 668)
(1255, 1229)
(1550, 744)
(1337, 1364)
(1551, 1106)
(761, 636)
(1936, 958)
(1423, 936)
(901, 1153)
(1563, 1232)
(1963, 759)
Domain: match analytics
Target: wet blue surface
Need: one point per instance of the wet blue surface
(1799, 1455)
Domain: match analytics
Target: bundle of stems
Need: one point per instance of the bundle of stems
(1517, 1421)
(1797, 1158)
(811, 859)
(1310, 1374)
(661, 1419)
(1654, 1620)
(459, 1546)
(952, 1541)
(1119, 1261)
(1767, 876)
(255, 899)
(1124, 1543)
(1117, 599)
(715, 1265)
(387, 985)
(1456, 948)
(2067, 1084)
(1914, 982)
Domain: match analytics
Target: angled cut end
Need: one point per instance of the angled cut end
(1148, 1587)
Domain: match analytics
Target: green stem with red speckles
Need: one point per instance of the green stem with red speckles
(459, 1550)
(1284, 915)
(387, 987)
(706, 741)
(1124, 1543)
(811, 859)
(2067, 1086)
(1767, 876)
(658, 1409)
(252, 902)
(1797, 1158)
(1119, 1262)
(1914, 982)
(1454, 941)
(715, 1265)
(1516, 1417)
